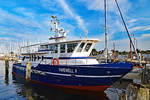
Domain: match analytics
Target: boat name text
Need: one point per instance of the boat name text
(68, 70)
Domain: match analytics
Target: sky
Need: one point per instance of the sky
(23, 21)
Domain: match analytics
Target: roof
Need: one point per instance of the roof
(48, 43)
(93, 40)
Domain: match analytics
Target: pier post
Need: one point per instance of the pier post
(28, 71)
(6, 67)
(6, 71)
(137, 92)
(145, 77)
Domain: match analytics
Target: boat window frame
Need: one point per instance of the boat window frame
(81, 48)
(64, 51)
(51, 47)
(44, 47)
(74, 47)
(56, 48)
(88, 47)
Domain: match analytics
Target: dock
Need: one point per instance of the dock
(9, 58)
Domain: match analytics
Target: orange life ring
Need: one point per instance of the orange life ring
(55, 61)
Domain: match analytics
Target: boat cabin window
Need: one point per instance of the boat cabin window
(80, 47)
(23, 58)
(56, 48)
(62, 48)
(51, 47)
(71, 47)
(44, 47)
(87, 47)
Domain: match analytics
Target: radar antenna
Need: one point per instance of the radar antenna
(60, 34)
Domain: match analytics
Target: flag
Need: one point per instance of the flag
(133, 35)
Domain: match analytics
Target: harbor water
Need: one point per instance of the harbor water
(14, 88)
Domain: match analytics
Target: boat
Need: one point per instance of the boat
(66, 64)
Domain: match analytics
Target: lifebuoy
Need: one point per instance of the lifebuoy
(55, 61)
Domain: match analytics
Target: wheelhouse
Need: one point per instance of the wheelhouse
(68, 52)
(69, 48)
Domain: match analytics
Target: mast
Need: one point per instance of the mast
(106, 49)
(127, 31)
(130, 51)
(115, 55)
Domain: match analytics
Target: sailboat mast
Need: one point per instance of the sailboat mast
(105, 8)
(127, 31)
(115, 55)
(130, 51)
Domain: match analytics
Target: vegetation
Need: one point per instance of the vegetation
(145, 52)
(95, 52)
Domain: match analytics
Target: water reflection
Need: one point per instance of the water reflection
(7, 78)
(39, 92)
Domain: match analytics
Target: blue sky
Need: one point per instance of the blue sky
(29, 20)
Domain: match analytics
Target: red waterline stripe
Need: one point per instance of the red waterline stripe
(85, 88)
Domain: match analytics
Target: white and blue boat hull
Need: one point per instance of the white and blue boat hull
(83, 77)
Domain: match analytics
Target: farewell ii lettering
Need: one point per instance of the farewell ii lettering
(68, 70)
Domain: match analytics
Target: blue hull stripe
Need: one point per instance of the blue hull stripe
(67, 57)
(48, 57)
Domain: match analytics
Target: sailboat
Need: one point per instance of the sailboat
(66, 64)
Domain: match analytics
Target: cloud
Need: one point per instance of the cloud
(123, 44)
(11, 23)
(98, 5)
(142, 28)
(10, 19)
(146, 35)
(69, 11)
(136, 28)
(26, 12)
(147, 28)
(132, 21)
(18, 28)
(50, 5)
(142, 42)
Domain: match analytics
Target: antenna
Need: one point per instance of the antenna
(54, 16)
(60, 34)
(86, 33)
(80, 36)
(115, 55)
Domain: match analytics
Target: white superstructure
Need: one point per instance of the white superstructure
(75, 52)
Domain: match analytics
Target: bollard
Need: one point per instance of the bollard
(28, 71)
